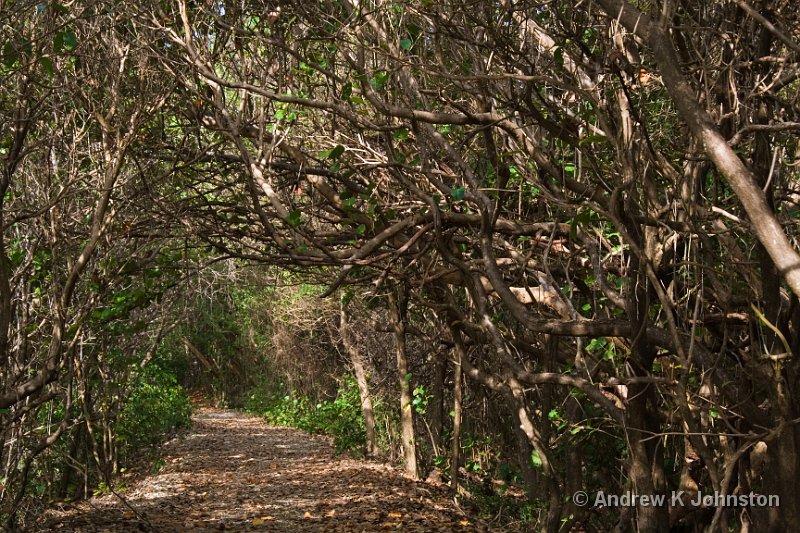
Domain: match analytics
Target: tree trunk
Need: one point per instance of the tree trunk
(646, 468)
(525, 425)
(398, 306)
(436, 405)
(72, 455)
(361, 379)
(455, 446)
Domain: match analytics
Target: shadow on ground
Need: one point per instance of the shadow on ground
(233, 472)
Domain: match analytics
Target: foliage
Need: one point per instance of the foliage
(156, 407)
(339, 418)
(600, 203)
(514, 509)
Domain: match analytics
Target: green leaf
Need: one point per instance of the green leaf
(597, 344)
(361, 229)
(294, 219)
(47, 65)
(10, 54)
(558, 56)
(458, 193)
(594, 139)
(610, 353)
(333, 153)
(406, 43)
(58, 42)
(536, 461)
(378, 81)
(347, 296)
(70, 40)
(583, 218)
(347, 90)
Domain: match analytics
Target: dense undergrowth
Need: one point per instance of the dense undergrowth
(157, 407)
(339, 418)
(125, 430)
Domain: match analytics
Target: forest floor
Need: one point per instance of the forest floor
(234, 472)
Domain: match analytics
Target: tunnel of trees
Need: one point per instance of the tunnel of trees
(548, 242)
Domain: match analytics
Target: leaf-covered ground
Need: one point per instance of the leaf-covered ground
(233, 472)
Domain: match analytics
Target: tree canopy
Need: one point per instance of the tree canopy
(589, 207)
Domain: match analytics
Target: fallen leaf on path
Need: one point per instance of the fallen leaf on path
(211, 486)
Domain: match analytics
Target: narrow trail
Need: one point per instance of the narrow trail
(233, 472)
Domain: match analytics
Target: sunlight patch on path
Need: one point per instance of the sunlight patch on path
(233, 472)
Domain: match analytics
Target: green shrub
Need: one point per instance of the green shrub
(340, 418)
(157, 407)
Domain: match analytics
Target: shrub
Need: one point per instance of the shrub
(340, 418)
(157, 407)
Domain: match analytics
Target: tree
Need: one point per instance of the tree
(611, 188)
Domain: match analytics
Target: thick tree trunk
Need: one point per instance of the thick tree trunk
(644, 462)
(361, 379)
(778, 478)
(398, 306)
(645, 468)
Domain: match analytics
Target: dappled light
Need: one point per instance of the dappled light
(232, 472)
(541, 254)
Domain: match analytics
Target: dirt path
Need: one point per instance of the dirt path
(233, 472)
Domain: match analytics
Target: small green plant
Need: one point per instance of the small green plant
(103, 488)
(157, 465)
(421, 398)
(510, 508)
